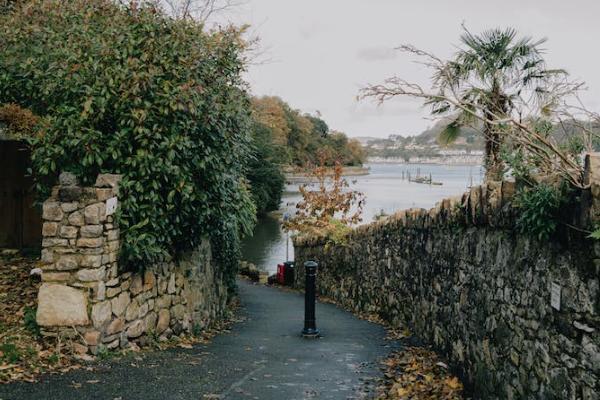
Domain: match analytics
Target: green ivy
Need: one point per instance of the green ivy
(134, 92)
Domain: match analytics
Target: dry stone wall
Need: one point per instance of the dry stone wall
(87, 299)
(516, 316)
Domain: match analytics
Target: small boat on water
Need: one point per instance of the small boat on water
(425, 180)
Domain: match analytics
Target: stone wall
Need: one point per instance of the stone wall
(86, 298)
(516, 316)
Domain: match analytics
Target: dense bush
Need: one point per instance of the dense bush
(132, 91)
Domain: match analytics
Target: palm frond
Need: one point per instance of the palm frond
(450, 133)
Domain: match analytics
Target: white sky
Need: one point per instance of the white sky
(320, 52)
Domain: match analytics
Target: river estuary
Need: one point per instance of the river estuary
(385, 190)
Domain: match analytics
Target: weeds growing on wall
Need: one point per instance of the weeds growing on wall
(539, 207)
(129, 90)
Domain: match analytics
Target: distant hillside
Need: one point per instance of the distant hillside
(468, 148)
(425, 147)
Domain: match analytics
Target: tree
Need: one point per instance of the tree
(331, 208)
(264, 172)
(270, 112)
(200, 10)
(488, 75)
(526, 100)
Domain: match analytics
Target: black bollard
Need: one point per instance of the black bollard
(310, 324)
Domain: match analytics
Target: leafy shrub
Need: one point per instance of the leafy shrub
(330, 209)
(134, 92)
(538, 210)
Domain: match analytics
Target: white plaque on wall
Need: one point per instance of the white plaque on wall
(555, 296)
(111, 206)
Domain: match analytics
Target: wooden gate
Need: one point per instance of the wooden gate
(20, 220)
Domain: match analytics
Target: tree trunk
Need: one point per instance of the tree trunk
(494, 166)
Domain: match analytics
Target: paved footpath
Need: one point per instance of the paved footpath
(264, 357)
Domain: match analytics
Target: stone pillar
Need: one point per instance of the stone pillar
(79, 255)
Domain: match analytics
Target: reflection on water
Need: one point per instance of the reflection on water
(384, 188)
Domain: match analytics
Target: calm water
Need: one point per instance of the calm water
(384, 189)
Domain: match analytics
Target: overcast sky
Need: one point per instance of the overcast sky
(318, 53)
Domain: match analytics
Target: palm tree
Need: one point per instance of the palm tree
(489, 74)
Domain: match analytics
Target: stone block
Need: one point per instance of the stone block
(68, 232)
(56, 276)
(101, 313)
(164, 318)
(120, 303)
(178, 311)
(70, 193)
(76, 219)
(95, 213)
(91, 338)
(67, 179)
(115, 326)
(90, 242)
(61, 305)
(49, 229)
(54, 242)
(113, 246)
(150, 322)
(91, 274)
(137, 285)
(136, 329)
(108, 181)
(163, 302)
(69, 207)
(91, 231)
(112, 292)
(91, 260)
(67, 262)
(133, 311)
(104, 194)
(51, 211)
(144, 308)
(171, 286)
(112, 235)
(149, 280)
(100, 291)
(47, 256)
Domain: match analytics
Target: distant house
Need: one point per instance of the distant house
(20, 219)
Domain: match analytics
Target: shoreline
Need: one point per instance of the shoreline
(301, 177)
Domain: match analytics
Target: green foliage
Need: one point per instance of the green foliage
(303, 138)
(489, 73)
(264, 172)
(197, 330)
(337, 233)
(30, 321)
(595, 234)
(134, 92)
(53, 359)
(104, 353)
(9, 353)
(539, 210)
